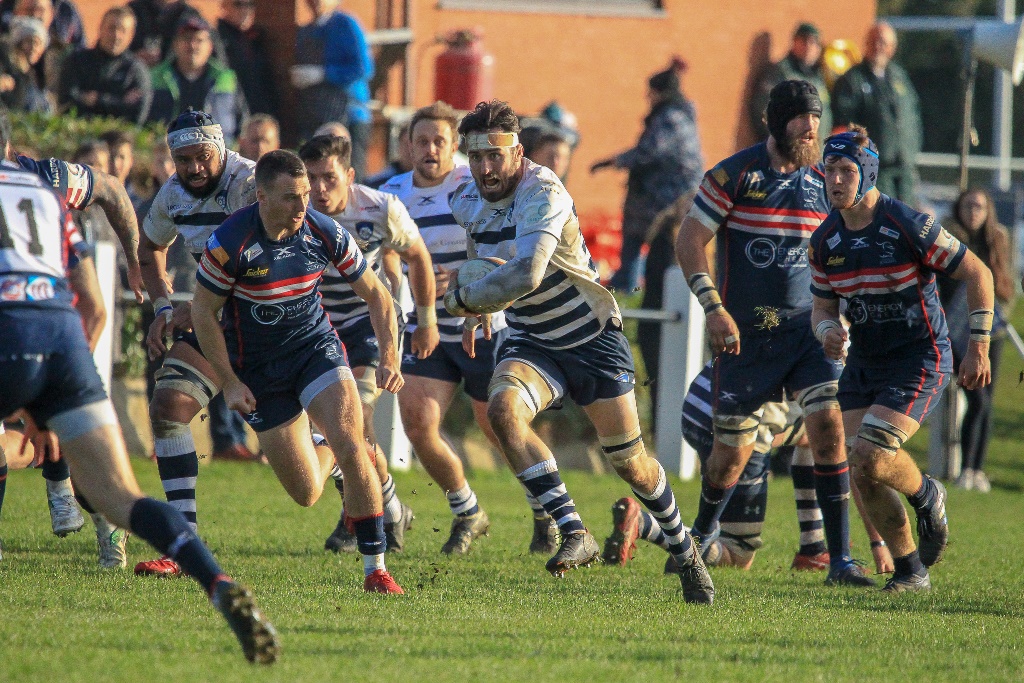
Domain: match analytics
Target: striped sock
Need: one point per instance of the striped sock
(832, 484)
(389, 498)
(544, 484)
(178, 465)
(808, 514)
(370, 536)
(463, 502)
(166, 529)
(3, 485)
(651, 531)
(538, 510)
(662, 504)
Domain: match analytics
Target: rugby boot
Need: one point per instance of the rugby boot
(255, 634)
(342, 539)
(380, 581)
(238, 452)
(810, 563)
(671, 566)
(65, 517)
(621, 545)
(111, 542)
(710, 548)
(696, 581)
(932, 526)
(545, 535)
(578, 548)
(465, 529)
(163, 566)
(911, 583)
(394, 532)
(848, 572)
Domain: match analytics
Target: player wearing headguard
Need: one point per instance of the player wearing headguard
(431, 381)
(278, 356)
(565, 338)
(49, 372)
(880, 256)
(761, 205)
(377, 221)
(209, 184)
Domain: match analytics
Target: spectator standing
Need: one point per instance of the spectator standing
(19, 86)
(878, 94)
(665, 163)
(248, 54)
(66, 28)
(332, 74)
(108, 80)
(974, 222)
(801, 63)
(48, 67)
(260, 134)
(157, 23)
(190, 77)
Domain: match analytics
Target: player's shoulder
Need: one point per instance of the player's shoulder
(22, 175)
(465, 196)
(324, 226)
(238, 181)
(823, 238)
(237, 234)
(729, 171)
(398, 185)
(904, 217)
(540, 183)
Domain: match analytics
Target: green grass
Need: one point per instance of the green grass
(495, 614)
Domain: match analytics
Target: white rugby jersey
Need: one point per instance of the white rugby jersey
(570, 307)
(176, 211)
(444, 238)
(375, 219)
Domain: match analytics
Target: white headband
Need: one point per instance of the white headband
(480, 141)
(186, 137)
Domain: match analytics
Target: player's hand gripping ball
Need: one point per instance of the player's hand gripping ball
(471, 271)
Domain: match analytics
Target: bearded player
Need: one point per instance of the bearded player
(565, 339)
(880, 256)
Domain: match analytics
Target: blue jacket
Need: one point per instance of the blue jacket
(346, 57)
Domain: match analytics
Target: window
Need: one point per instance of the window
(587, 7)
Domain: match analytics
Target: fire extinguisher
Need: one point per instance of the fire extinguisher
(464, 72)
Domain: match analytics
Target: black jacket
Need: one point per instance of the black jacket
(248, 55)
(112, 77)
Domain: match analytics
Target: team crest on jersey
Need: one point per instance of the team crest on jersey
(889, 232)
(252, 252)
(222, 200)
(888, 252)
(365, 230)
(312, 240)
(833, 241)
(810, 196)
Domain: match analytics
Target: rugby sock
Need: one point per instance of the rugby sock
(538, 510)
(544, 484)
(372, 563)
(392, 505)
(925, 495)
(713, 500)
(370, 536)
(56, 471)
(662, 504)
(463, 502)
(178, 465)
(832, 484)
(167, 530)
(808, 514)
(3, 485)
(909, 564)
(651, 531)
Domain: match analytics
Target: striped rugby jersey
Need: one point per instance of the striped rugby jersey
(886, 274)
(444, 238)
(176, 211)
(375, 220)
(570, 307)
(763, 221)
(73, 182)
(273, 300)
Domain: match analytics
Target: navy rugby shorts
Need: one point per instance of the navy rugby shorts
(449, 363)
(45, 363)
(911, 386)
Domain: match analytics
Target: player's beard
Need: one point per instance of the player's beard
(801, 153)
(207, 189)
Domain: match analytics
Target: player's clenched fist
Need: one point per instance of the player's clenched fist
(723, 333)
(239, 397)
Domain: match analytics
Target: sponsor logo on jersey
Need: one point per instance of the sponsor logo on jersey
(312, 240)
(859, 243)
(859, 312)
(785, 184)
(425, 201)
(833, 241)
(755, 194)
(370, 209)
(499, 212)
(283, 252)
(39, 289)
(469, 196)
(836, 260)
(625, 378)
(813, 181)
(256, 272)
(720, 175)
(409, 359)
(727, 397)
(927, 227)
(889, 232)
(252, 252)
(755, 177)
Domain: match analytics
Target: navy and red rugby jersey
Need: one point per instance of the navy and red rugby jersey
(272, 288)
(886, 274)
(73, 182)
(763, 220)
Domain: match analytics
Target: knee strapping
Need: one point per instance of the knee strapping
(166, 429)
(506, 381)
(622, 448)
(367, 387)
(177, 375)
(819, 397)
(737, 430)
(74, 423)
(881, 433)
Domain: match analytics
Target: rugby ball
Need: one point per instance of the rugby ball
(476, 269)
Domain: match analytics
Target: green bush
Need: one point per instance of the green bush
(59, 136)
